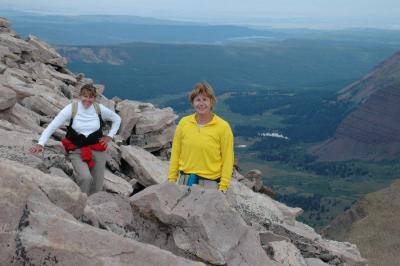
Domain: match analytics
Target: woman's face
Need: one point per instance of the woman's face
(87, 99)
(202, 104)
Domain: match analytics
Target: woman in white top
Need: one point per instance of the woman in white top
(85, 143)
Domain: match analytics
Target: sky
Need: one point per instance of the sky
(341, 11)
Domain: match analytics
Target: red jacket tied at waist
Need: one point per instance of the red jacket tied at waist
(86, 151)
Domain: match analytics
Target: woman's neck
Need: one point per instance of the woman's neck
(203, 119)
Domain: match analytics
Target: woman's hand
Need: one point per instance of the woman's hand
(105, 140)
(37, 148)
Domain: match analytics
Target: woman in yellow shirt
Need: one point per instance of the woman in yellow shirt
(202, 149)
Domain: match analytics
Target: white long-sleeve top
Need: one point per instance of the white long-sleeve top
(86, 121)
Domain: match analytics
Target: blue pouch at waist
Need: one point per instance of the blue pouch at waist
(192, 179)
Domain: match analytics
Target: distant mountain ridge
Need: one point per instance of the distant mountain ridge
(109, 29)
(384, 74)
(372, 130)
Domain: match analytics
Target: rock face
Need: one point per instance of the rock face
(372, 130)
(372, 224)
(139, 218)
(37, 232)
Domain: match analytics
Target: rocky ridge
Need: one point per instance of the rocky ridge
(139, 218)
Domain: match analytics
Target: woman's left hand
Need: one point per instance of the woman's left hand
(105, 140)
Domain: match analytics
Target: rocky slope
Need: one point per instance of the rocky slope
(139, 218)
(372, 224)
(372, 130)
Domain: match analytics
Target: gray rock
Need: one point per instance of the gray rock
(8, 98)
(201, 223)
(144, 166)
(315, 262)
(109, 211)
(115, 184)
(155, 140)
(347, 252)
(6, 53)
(45, 53)
(49, 104)
(106, 102)
(267, 236)
(154, 119)
(287, 254)
(113, 156)
(257, 208)
(130, 112)
(16, 45)
(4, 22)
(8, 126)
(26, 118)
(146, 126)
(19, 81)
(2, 66)
(14, 145)
(58, 172)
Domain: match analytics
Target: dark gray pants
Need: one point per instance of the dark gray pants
(89, 180)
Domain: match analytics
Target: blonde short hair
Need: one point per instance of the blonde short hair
(205, 89)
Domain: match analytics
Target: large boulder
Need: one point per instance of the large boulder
(8, 98)
(26, 118)
(62, 192)
(143, 166)
(347, 252)
(286, 253)
(145, 125)
(16, 45)
(201, 224)
(156, 140)
(116, 184)
(49, 104)
(16, 141)
(154, 119)
(19, 81)
(45, 53)
(130, 112)
(257, 208)
(113, 156)
(109, 211)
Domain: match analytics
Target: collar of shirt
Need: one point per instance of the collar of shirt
(213, 121)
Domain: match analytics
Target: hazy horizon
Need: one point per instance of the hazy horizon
(287, 13)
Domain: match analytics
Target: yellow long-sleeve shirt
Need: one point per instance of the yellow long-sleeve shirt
(203, 150)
